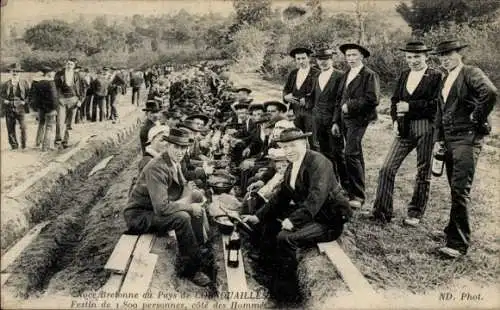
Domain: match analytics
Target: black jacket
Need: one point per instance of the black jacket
(317, 196)
(305, 89)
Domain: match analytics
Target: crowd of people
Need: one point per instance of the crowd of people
(296, 165)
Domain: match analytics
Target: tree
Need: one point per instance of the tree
(252, 11)
(423, 15)
(51, 35)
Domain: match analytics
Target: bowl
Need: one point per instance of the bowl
(221, 187)
(225, 225)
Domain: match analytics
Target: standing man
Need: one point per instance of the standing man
(136, 80)
(68, 86)
(359, 94)
(83, 112)
(413, 108)
(324, 99)
(467, 98)
(45, 101)
(298, 89)
(99, 89)
(15, 94)
(115, 88)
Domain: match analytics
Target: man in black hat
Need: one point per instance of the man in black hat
(275, 109)
(84, 112)
(44, 100)
(359, 95)
(413, 109)
(324, 99)
(467, 97)
(161, 201)
(256, 111)
(317, 214)
(298, 89)
(70, 98)
(15, 97)
(152, 109)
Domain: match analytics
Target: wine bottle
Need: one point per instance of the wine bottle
(233, 248)
(438, 162)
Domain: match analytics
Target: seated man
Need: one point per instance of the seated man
(156, 144)
(158, 203)
(317, 214)
(152, 109)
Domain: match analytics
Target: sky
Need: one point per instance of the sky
(33, 11)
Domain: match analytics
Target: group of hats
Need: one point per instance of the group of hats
(414, 47)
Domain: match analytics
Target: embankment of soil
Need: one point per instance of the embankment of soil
(27, 204)
(67, 206)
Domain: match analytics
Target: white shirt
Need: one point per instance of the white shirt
(352, 74)
(450, 79)
(301, 76)
(295, 170)
(414, 79)
(68, 76)
(323, 78)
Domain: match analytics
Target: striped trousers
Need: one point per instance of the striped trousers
(420, 136)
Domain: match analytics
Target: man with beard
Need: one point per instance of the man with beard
(413, 108)
(15, 94)
(308, 208)
(160, 201)
(298, 89)
(467, 97)
(359, 94)
(68, 85)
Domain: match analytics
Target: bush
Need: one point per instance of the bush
(248, 48)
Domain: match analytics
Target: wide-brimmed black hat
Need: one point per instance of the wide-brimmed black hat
(448, 46)
(189, 124)
(203, 117)
(256, 106)
(244, 89)
(324, 53)
(415, 47)
(292, 134)
(280, 105)
(241, 105)
(300, 50)
(179, 136)
(349, 46)
(16, 67)
(152, 106)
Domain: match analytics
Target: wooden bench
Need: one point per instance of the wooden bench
(131, 264)
(356, 282)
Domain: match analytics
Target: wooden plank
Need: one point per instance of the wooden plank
(236, 280)
(14, 252)
(113, 284)
(144, 244)
(139, 274)
(351, 275)
(121, 256)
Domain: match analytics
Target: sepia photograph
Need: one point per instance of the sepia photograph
(249, 154)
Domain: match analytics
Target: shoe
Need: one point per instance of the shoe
(450, 252)
(200, 279)
(411, 221)
(355, 204)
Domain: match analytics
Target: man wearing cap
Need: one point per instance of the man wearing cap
(151, 110)
(324, 98)
(15, 97)
(44, 100)
(68, 86)
(359, 94)
(160, 201)
(317, 214)
(156, 144)
(298, 89)
(467, 97)
(99, 88)
(413, 108)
